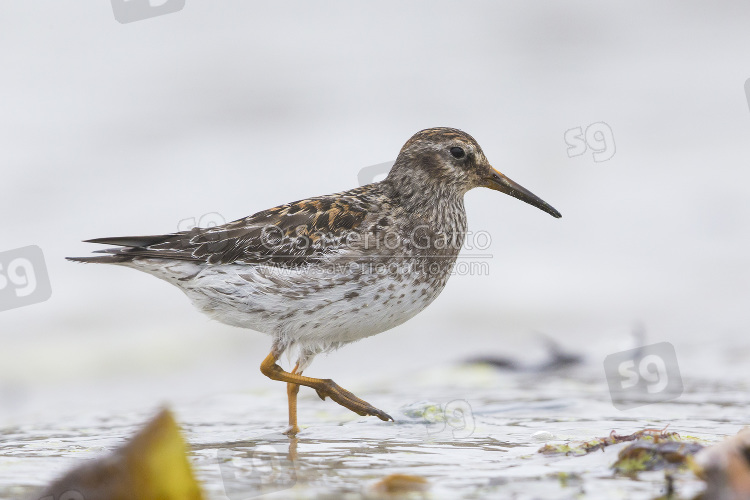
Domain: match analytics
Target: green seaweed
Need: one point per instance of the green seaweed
(644, 455)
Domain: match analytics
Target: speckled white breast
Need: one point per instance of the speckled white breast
(316, 309)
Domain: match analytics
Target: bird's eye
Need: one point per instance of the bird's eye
(457, 152)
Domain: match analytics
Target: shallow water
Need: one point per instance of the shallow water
(468, 429)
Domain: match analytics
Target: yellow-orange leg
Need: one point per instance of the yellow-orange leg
(324, 388)
(291, 391)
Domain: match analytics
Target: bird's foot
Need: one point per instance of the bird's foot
(329, 388)
(292, 431)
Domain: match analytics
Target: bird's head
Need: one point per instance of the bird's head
(447, 158)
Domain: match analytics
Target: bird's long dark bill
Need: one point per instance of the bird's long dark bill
(499, 182)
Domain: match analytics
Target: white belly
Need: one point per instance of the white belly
(311, 308)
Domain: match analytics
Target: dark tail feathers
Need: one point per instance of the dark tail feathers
(120, 255)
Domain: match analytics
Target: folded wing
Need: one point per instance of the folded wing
(291, 235)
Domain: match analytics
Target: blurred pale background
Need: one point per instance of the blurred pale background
(236, 106)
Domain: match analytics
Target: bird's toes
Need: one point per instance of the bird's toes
(374, 412)
(348, 400)
(383, 416)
